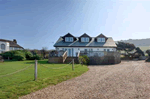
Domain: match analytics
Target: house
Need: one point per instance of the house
(8, 45)
(84, 44)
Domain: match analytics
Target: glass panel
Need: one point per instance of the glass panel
(66, 39)
(71, 39)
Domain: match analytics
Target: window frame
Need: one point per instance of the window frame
(85, 39)
(3, 46)
(100, 39)
(68, 39)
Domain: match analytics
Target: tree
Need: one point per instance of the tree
(127, 47)
(138, 50)
(148, 52)
(44, 51)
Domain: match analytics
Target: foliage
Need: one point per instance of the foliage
(148, 52)
(22, 83)
(84, 59)
(28, 54)
(138, 50)
(19, 55)
(43, 51)
(37, 57)
(125, 46)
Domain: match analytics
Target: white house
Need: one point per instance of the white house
(7, 45)
(84, 43)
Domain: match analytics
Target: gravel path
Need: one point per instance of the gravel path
(127, 80)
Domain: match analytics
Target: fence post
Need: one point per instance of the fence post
(35, 70)
(72, 64)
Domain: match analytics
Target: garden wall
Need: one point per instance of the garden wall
(109, 58)
(55, 60)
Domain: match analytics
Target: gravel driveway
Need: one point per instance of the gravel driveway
(127, 80)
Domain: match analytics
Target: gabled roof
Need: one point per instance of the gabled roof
(109, 43)
(101, 35)
(68, 35)
(11, 43)
(84, 35)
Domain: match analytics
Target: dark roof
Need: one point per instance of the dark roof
(68, 35)
(109, 43)
(11, 43)
(84, 35)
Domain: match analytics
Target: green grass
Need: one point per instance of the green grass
(23, 83)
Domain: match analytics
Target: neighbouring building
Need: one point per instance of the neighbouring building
(8, 45)
(85, 43)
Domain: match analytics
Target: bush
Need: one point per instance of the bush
(19, 57)
(37, 57)
(84, 59)
(28, 54)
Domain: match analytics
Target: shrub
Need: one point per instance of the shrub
(19, 57)
(28, 54)
(84, 59)
(37, 57)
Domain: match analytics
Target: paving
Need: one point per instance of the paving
(127, 80)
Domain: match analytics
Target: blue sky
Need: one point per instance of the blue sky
(38, 23)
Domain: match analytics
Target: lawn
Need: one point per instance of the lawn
(22, 83)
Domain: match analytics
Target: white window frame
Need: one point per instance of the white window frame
(67, 39)
(71, 39)
(100, 39)
(85, 39)
(103, 39)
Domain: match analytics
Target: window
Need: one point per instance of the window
(3, 46)
(78, 48)
(100, 39)
(107, 50)
(87, 39)
(84, 39)
(104, 49)
(103, 39)
(69, 39)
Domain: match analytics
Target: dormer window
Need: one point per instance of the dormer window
(68, 39)
(85, 39)
(100, 39)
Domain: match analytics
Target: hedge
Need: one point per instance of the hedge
(20, 55)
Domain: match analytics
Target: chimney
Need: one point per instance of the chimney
(15, 41)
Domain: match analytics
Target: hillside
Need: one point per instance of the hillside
(144, 44)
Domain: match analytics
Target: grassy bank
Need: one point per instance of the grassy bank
(14, 85)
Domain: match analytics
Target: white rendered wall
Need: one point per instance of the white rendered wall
(77, 49)
(6, 46)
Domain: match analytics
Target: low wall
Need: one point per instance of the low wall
(55, 60)
(69, 59)
(110, 58)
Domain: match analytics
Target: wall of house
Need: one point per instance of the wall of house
(6, 46)
(77, 49)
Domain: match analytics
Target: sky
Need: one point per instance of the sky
(39, 23)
